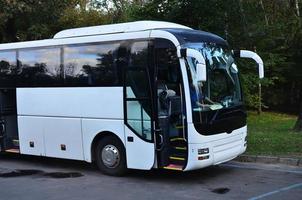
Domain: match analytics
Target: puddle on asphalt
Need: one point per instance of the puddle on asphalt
(30, 172)
(21, 172)
(63, 174)
(221, 190)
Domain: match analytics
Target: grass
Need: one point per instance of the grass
(271, 134)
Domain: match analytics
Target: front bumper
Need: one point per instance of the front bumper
(222, 149)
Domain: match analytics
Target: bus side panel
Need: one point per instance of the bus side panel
(140, 154)
(92, 127)
(83, 102)
(31, 136)
(51, 118)
(63, 138)
(52, 137)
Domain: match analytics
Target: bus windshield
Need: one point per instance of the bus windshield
(222, 88)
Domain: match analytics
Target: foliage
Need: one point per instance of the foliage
(83, 18)
(29, 19)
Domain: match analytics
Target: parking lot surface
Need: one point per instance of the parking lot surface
(29, 177)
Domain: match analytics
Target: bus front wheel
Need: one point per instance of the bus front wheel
(111, 156)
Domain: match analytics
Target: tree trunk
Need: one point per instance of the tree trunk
(242, 13)
(265, 16)
(226, 26)
(298, 125)
(10, 32)
(297, 8)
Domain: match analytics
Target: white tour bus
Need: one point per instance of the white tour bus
(136, 95)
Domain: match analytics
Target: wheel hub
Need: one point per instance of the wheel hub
(110, 156)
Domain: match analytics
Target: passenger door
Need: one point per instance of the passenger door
(140, 150)
(170, 108)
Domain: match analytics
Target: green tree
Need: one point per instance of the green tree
(76, 17)
(30, 20)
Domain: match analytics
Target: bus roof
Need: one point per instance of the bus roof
(193, 36)
(141, 29)
(117, 28)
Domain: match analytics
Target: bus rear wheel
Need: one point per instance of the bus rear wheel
(111, 156)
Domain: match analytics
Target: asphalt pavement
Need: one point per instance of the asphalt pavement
(31, 178)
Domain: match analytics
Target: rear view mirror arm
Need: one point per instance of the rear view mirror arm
(252, 55)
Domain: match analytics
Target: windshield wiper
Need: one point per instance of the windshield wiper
(226, 113)
(233, 111)
(214, 117)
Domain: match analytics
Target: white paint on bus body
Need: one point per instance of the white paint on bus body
(85, 102)
(50, 117)
(47, 134)
(139, 154)
(117, 28)
(222, 147)
(92, 127)
(31, 130)
(76, 40)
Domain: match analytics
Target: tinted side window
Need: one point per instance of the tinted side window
(136, 76)
(139, 55)
(91, 65)
(168, 67)
(39, 67)
(8, 68)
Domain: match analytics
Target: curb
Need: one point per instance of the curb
(297, 162)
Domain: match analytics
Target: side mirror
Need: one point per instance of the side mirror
(201, 70)
(254, 56)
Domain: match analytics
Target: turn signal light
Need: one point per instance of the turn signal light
(203, 157)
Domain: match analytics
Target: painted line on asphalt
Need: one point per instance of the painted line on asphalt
(262, 168)
(277, 191)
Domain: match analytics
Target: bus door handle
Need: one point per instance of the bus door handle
(2, 129)
(160, 142)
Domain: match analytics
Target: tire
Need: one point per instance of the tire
(111, 156)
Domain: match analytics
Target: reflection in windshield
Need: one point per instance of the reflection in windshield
(222, 88)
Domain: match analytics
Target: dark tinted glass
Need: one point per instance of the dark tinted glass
(8, 69)
(139, 55)
(91, 65)
(136, 76)
(137, 82)
(168, 68)
(39, 67)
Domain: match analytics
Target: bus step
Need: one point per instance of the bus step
(177, 158)
(176, 139)
(12, 150)
(181, 148)
(16, 143)
(173, 167)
